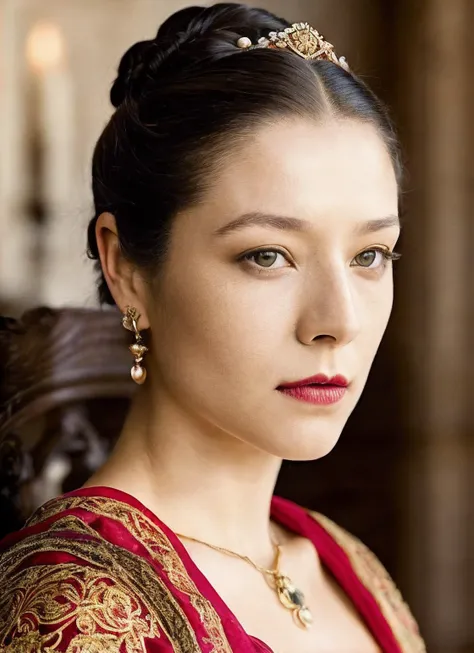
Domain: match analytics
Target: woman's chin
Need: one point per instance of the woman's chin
(311, 451)
(303, 446)
(307, 432)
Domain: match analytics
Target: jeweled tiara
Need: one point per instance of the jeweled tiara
(300, 38)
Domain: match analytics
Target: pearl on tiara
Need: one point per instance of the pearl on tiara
(244, 42)
(300, 38)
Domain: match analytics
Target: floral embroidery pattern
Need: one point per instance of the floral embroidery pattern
(158, 546)
(45, 601)
(119, 568)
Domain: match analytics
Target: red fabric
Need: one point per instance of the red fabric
(112, 531)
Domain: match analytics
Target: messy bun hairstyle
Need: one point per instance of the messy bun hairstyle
(182, 99)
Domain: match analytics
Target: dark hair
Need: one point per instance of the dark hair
(182, 97)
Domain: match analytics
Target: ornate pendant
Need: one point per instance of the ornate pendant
(293, 599)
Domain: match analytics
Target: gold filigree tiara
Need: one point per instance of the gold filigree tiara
(300, 38)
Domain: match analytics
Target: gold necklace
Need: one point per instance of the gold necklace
(291, 597)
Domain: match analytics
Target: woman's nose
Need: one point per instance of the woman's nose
(330, 311)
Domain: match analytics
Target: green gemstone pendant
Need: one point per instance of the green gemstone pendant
(293, 599)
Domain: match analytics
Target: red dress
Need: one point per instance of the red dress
(96, 571)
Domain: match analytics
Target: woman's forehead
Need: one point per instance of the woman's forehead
(307, 170)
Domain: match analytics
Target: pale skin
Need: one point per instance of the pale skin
(204, 440)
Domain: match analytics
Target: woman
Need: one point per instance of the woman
(246, 195)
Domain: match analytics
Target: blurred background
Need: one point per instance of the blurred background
(402, 476)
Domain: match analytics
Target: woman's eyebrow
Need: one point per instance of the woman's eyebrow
(378, 224)
(287, 223)
(282, 222)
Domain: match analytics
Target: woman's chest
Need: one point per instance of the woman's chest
(336, 627)
(279, 633)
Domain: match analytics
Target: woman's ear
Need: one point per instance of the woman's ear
(125, 283)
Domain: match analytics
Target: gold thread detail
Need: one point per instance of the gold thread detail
(44, 601)
(131, 575)
(158, 546)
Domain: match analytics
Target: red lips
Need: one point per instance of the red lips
(318, 379)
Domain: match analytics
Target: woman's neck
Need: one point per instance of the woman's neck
(196, 479)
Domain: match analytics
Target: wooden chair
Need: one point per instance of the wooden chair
(65, 388)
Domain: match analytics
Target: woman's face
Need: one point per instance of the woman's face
(279, 274)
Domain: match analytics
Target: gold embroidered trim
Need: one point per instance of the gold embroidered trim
(158, 546)
(105, 561)
(106, 613)
(376, 579)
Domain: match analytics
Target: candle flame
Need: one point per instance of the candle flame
(44, 46)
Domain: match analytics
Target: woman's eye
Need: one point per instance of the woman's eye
(374, 258)
(368, 258)
(266, 258)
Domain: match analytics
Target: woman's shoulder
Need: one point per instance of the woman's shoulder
(366, 565)
(71, 579)
(374, 577)
(356, 551)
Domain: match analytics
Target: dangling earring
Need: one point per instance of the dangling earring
(138, 349)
